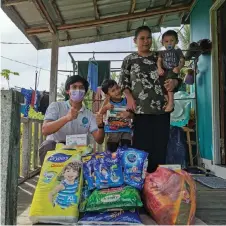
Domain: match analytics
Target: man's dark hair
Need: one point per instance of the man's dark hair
(141, 28)
(108, 84)
(76, 78)
(170, 33)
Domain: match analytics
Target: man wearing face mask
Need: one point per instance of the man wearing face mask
(70, 117)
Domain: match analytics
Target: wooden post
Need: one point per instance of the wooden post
(10, 150)
(26, 153)
(188, 131)
(40, 134)
(35, 142)
(54, 68)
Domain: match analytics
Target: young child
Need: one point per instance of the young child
(122, 135)
(170, 62)
(67, 188)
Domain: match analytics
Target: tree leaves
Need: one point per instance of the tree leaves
(184, 36)
(6, 74)
(156, 44)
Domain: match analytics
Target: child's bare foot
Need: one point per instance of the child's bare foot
(169, 107)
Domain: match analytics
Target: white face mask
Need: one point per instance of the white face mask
(77, 95)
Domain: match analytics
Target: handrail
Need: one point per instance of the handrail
(31, 138)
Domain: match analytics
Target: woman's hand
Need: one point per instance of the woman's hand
(161, 71)
(171, 84)
(131, 104)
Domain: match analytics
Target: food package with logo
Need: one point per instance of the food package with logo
(107, 170)
(114, 199)
(84, 150)
(114, 121)
(134, 163)
(88, 171)
(170, 197)
(127, 217)
(57, 194)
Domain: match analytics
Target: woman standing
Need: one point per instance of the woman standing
(145, 96)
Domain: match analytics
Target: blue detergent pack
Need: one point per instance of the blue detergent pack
(110, 218)
(88, 171)
(134, 163)
(108, 171)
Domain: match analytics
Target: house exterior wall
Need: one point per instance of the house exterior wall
(200, 29)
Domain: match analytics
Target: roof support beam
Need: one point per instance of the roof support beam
(45, 15)
(132, 8)
(161, 20)
(109, 20)
(21, 24)
(13, 2)
(59, 15)
(97, 14)
(54, 69)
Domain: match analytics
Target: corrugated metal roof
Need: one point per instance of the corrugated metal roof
(105, 14)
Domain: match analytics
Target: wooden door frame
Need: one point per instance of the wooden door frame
(215, 83)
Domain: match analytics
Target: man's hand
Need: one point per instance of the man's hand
(176, 70)
(72, 114)
(99, 119)
(161, 71)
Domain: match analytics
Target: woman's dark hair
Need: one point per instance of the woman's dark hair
(170, 33)
(108, 84)
(142, 28)
(74, 79)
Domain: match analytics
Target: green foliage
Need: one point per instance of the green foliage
(61, 94)
(156, 43)
(115, 76)
(184, 36)
(35, 115)
(88, 99)
(6, 74)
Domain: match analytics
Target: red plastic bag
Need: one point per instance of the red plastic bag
(170, 197)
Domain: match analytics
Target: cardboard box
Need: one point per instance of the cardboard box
(77, 139)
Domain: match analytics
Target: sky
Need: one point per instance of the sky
(41, 59)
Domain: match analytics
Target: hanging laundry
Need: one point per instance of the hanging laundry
(23, 109)
(44, 102)
(37, 100)
(104, 69)
(92, 77)
(28, 95)
(33, 98)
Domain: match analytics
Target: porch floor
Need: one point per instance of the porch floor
(211, 203)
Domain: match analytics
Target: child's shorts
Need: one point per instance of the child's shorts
(168, 74)
(117, 137)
